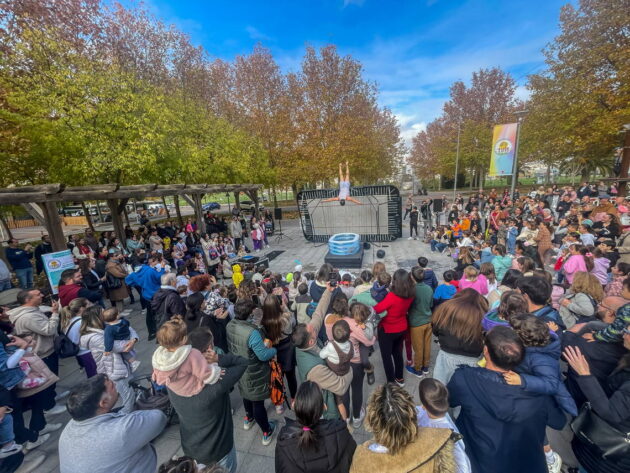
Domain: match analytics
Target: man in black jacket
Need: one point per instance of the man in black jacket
(503, 425)
(166, 301)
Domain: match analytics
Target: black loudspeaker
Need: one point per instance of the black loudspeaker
(380, 254)
(438, 205)
(277, 213)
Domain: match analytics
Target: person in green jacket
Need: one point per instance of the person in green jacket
(501, 261)
(420, 324)
(245, 340)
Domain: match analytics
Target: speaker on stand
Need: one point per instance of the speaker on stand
(277, 215)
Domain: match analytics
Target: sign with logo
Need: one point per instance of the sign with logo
(503, 147)
(55, 264)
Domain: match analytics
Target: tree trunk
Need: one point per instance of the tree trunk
(178, 210)
(439, 183)
(472, 179)
(5, 227)
(548, 175)
(168, 213)
(237, 200)
(88, 217)
(275, 197)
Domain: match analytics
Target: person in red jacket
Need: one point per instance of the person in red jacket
(393, 326)
(70, 288)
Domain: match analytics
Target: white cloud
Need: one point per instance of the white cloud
(522, 93)
(256, 34)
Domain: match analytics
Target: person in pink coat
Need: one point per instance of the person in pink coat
(579, 260)
(474, 280)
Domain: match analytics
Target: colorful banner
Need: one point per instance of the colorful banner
(55, 264)
(503, 148)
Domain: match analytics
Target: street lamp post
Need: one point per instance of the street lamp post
(520, 116)
(459, 126)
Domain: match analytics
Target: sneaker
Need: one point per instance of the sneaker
(400, 382)
(370, 377)
(10, 449)
(248, 423)
(268, 436)
(556, 463)
(32, 445)
(356, 423)
(31, 463)
(151, 337)
(410, 238)
(58, 409)
(280, 409)
(413, 371)
(425, 370)
(135, 365)
(50, 428)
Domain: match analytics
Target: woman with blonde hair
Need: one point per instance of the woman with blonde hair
(580, 302)
(378, 268)
(457, 324)
(399, 445)
(70, 325)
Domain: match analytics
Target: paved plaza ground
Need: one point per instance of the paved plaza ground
(253, 457)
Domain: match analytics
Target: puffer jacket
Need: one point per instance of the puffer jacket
(113, 365)
(184, 371)
(540, 373)
(333, 453)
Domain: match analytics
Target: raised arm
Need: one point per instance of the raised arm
(340, 173)
(347, 172)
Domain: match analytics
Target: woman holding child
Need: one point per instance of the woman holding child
(92, 332)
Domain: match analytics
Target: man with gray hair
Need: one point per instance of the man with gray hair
(167, 302)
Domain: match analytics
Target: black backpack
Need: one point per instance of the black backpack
(64, 347)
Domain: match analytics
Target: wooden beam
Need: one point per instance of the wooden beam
(44, 189)
(36, 212)
(98, 187)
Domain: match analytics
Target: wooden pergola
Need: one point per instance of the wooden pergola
(46, 196)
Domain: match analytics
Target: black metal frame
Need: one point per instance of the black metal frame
(394, 211)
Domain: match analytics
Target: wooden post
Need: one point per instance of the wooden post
(53, 226)
(119, 228)
(88, 217)
(5, 227)
(178, 210)
(168, 213)
(237, 200)
(201, 224)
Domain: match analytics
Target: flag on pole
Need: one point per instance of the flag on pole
(503, 148)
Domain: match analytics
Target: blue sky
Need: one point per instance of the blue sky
(413, 50)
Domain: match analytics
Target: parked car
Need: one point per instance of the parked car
(211, 206)
(248, 206)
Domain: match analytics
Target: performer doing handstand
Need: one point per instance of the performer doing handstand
(344, 188)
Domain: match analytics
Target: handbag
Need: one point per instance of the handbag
(65, 347)
(112, 282)
(613, 444)
(39, 369)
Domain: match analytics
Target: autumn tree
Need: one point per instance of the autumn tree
(580, 102)
(489, 100)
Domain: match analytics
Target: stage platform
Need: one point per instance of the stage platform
(345, 261)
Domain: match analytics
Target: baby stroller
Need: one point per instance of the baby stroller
(150, 395)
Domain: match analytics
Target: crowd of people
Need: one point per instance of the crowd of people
(532, 325)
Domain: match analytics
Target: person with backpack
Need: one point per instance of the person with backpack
(70, 325)
(579, 304)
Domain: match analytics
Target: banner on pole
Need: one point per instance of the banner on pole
(503, 148)
(55, 264)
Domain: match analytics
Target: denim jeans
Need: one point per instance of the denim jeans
(5, 285)
(228, 462)
(437, 246)
(25, 276)
(6, 429)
